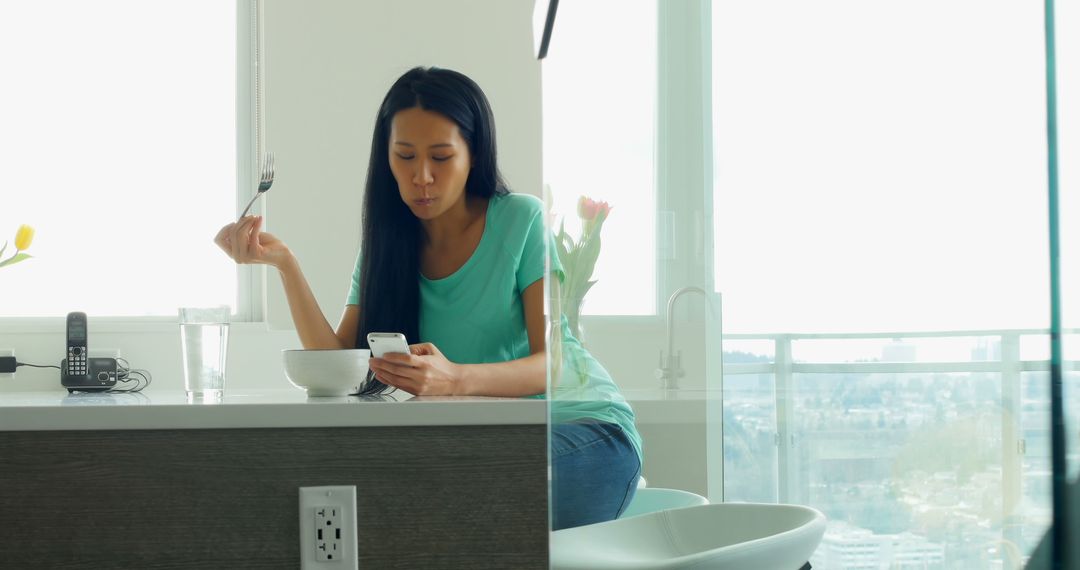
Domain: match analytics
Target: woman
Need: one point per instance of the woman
(455, 261)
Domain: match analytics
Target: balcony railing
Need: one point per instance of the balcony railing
(1003, 360)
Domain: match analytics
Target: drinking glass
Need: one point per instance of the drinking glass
(204, 342)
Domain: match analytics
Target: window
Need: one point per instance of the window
(880, 218)
(880, 167)
(596, 90)
(119, 147)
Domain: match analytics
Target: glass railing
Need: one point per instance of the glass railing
(924, 450)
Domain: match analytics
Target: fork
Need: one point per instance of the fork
(266, 179)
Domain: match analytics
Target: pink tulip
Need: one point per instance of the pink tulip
(588, 209)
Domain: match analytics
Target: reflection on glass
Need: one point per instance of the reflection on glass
(599, 108)
(589, 127)
(596, 450)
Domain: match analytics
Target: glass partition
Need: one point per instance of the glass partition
(865, 188)
(890, 164)
(1064, 76)
(637, 308)
(1067, 75)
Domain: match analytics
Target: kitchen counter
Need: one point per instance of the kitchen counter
(36, 411)
(442, 482)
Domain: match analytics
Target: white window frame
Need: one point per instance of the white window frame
(250, 139)
(684, 169)
(685, 188)
(683, 183)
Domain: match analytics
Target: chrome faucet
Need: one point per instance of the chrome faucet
(668, 374)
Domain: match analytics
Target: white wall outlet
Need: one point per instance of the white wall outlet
(328, 533)
(328, 528)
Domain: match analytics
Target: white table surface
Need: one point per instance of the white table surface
(55, 410)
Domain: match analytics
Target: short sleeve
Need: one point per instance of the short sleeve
(354, 289)
(538, 242)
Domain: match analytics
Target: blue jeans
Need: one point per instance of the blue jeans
(594, 473)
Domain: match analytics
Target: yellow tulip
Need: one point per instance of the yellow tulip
(23, 237)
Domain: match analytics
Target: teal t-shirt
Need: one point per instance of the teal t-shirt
(476, 316)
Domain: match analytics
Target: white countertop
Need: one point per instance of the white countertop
(54, 410)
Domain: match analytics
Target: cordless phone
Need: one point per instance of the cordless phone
(79, 372)
(76, 345)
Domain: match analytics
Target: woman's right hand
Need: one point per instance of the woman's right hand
(244, 243)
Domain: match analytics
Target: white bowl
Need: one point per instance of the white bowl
(327, 372)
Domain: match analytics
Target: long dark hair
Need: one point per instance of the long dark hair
(392, 235)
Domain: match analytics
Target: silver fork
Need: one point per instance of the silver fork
(266, 180)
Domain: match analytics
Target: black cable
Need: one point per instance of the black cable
(17, 364)
(124, 373)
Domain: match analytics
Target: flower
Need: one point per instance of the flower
(579, 258)
(23, 237)
(592, 213)
(589, 209)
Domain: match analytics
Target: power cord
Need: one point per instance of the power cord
(17, 364)
(124, 373)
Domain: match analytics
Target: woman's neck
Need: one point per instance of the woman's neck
(455, 222)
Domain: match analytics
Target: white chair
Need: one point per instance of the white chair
(736, 536)
(649, 500)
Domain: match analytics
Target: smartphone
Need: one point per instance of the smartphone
(76, 346)
(385, 343)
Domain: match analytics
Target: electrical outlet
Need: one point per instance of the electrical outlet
(328, 528)
(328, 533)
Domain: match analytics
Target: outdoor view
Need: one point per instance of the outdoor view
(914, 468)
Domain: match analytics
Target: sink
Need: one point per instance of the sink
(734, 536)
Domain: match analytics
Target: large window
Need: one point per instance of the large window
(118, 142)
(599, 131)
(881, 243)
(880, 167)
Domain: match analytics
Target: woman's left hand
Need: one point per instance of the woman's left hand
(425, 372)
